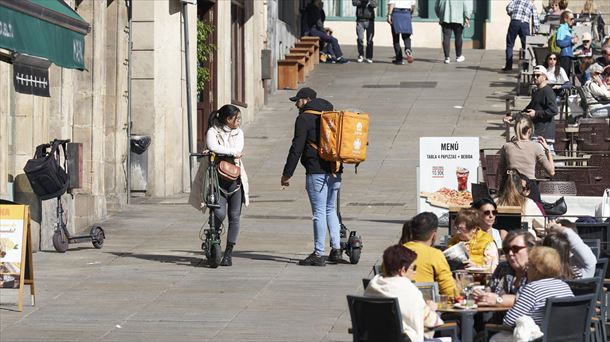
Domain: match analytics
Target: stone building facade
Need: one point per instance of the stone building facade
(91, 106)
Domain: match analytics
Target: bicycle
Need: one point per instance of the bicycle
(211, 245)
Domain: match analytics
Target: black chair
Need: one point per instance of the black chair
(601, 267)
(565, 319)
(595, 245)
(376, 269)
(591, 286)
(376, 319)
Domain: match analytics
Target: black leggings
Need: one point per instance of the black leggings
(566, 63)
(456, 29)
(233, 202)
(406, 38)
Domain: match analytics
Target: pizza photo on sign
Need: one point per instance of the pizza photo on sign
(446, 198)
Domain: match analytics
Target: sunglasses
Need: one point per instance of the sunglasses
(552, 59)
(490, 212)
(514, 249)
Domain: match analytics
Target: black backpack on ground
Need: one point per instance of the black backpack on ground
(45, 173)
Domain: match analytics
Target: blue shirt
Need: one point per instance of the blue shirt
(564, 40)
(523, 10)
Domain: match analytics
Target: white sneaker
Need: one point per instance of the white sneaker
(460, 59)
(447, 60)
(369, 60)
(360, 59)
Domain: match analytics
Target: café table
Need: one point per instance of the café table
(467, 318)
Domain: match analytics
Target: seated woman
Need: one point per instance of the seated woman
(597, 93)
(543, 271)
(525, 155)
(399, 269)
(488, 209)
(510, 276)
(482, 249)
(514, 191)
(577, 259)
(556, 75)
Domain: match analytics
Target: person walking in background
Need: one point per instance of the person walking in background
(365, 23)
(322, 180)
(521, 13)
(542, 108)
(565, 40)
(400, 13)
(453, 17)
(314, 25)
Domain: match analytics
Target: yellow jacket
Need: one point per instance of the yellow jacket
(476, 246)
(432, 267)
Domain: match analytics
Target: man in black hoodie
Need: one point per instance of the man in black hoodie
(322, 183)
(365, 22)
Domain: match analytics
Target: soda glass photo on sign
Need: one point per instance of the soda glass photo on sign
(462, 178)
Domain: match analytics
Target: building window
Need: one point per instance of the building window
(238, 15)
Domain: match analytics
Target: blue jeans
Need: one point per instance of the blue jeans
(334, 43)
(515, 28)
(322, 189)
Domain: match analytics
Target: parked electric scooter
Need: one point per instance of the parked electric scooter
(351, 243)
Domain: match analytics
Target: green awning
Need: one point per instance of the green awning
(44, 28)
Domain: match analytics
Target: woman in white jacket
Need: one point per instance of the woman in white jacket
(225, 137)
(399, 269)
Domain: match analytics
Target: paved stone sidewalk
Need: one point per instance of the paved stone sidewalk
(149, 282)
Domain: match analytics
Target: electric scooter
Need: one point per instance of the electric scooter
(62, 237)
(351, 243)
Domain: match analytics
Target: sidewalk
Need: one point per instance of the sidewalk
(149, 282)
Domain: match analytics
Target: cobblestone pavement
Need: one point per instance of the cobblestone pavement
(149, 282)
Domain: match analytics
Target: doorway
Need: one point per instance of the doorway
(208, 98)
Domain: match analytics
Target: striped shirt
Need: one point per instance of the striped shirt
(532, 300)
(523, 10)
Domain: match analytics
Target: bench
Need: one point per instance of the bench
(287, 74)
(316, 42)
(299, 57)
(309, 58)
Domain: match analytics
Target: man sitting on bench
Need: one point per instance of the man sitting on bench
(314, 26)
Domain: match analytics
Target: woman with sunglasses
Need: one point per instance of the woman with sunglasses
(510, 275)
(515, 192)
(556, 75)
(482, 249)
(488, 209)
(396, 281)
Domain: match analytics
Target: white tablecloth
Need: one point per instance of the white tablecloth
(577, 205)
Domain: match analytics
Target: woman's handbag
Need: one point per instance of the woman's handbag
(228, 171)
(557, 208)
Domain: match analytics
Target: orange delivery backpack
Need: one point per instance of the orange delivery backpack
(343, 136)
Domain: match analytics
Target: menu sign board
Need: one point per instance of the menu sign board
(447, 167)
(15, 250)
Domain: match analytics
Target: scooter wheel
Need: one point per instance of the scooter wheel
(60, 241)
(354, 256)
(215, 256)
(97, 237)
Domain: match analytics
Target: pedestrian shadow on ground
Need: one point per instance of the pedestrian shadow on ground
(253, 255)
(182, 260)
(480, 68)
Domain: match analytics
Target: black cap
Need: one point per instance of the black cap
(304, 93)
